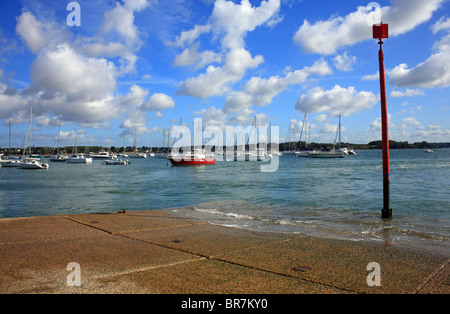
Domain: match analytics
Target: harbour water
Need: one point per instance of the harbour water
(339, 198)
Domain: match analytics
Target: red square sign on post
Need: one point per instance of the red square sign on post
(380, 31)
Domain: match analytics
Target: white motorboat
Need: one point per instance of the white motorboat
(347, 151)
(428, 151)
(102, 156)
(10, 163)
(137, 155)
(116, 161)
(79, 159)
(343, 150)
(32, 164)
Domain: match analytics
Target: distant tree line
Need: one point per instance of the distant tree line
(281, 147)
(402, 145)
(370, 145)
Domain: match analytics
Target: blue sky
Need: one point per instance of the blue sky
(141, 65)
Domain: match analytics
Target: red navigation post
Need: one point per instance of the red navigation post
(379, 32)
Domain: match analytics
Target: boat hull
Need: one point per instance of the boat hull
(79, 160)
(76, 161)
(117, 162)
(137, 155)
(321, 155)
(33, 165)
(58, 159)
(303, 154)
(192, 162)
(10, 164)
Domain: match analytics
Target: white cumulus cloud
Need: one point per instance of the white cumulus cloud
(260, 91)
(337, 101)
(230, 22)
(327, 36)
(433, 72)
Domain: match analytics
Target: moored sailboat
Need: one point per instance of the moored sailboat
(33, 161)
(193, 158)
(196, 157)
(330, 152)
(58, 157)
(77, 158)
(307, 152)
(327, 152)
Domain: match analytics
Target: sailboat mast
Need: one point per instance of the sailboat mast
(309, 134)
(59, 129)
(135, 140)
(339, 130)
(251, 130)
(164, 140)
(301, 132)
(74, 149)
(289, 135)
(306, 133)
(9, 136)
(31, 117)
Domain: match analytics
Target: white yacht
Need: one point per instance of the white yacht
(11, 162)
(116, 161)
(137, 155)
(32, 164)
(79, 159)
(343, 150)
(102, 156)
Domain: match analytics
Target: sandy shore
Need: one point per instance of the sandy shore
(157, 252)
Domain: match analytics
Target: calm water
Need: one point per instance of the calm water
(340, 198)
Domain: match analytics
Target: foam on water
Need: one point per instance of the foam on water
(431, 234)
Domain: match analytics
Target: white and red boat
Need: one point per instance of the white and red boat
(195, 158)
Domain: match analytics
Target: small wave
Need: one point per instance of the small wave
(214, 211)
(324, 222)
